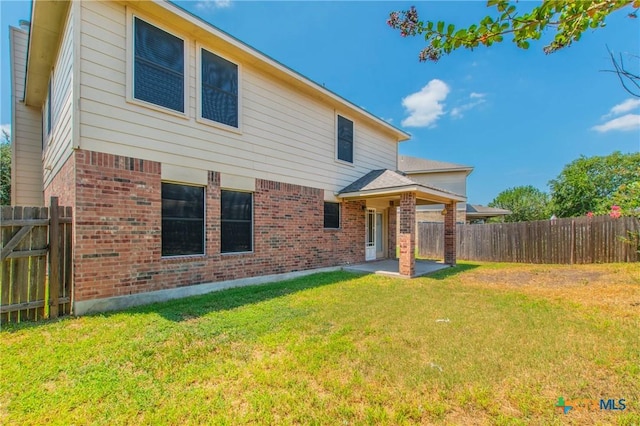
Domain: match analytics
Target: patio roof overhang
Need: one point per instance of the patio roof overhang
(391, 184)
(424, 195)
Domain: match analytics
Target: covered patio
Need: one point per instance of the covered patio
(397, 195)
(391, 267)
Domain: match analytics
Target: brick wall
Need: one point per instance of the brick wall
(118, 230)
(407, 234)
(63, 185)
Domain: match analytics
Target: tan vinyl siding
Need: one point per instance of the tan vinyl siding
(59, 143)
(451, 181)
(26, 131)
(284, 135)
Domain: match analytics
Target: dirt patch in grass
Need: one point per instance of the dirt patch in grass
(614, 287)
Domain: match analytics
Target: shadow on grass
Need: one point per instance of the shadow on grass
(443, 274)
(188, 308)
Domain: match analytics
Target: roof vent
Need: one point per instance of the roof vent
(24, 24)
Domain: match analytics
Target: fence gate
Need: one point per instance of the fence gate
(35, 262)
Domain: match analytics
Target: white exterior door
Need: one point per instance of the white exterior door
(370, 231)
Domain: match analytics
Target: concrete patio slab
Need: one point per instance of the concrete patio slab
(390, 267)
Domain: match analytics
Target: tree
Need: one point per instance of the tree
(594, 184)
(569, 18)
(525, 202)
(5, 169)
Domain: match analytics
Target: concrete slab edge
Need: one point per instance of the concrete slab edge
(115, 303)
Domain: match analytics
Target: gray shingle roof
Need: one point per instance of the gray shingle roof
(386, 179)
(378, 179)
(484, 210)
(414, 164)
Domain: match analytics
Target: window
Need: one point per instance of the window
(331, 215)
(219, 90)
(345, 139)
(49, 102)
(182, 219)
(236, 221)
(158, 67)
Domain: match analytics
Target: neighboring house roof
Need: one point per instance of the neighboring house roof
(47, 20)
(413, 165)
(386, 181)
(476, 210)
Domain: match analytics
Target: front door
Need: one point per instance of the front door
(370, 231)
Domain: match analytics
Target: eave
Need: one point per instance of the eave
(422, 193)
(47, 21)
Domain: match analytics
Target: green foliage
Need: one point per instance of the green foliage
(569, 18)
(525, 202)
(594, 184)
(5, 170)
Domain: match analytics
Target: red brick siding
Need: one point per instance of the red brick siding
(63, 185)
(407, 234)
(118, 231)
(450, 234)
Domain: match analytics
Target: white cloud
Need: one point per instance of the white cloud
(624, 124)
(457, 112)
(626, 106)
(425, 107)
(6, 128)
(388, 120)
(213, 4)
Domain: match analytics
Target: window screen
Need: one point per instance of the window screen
(236, 221)
(182, 220)
(331, 215)
(219, 89)
(159, 67)
(345, 139)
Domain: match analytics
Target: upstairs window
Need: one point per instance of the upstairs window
(182, 220)
(49, 102)
(236, 221)
(345, 139)
(331, 215)
(159, 67)
(219, 81)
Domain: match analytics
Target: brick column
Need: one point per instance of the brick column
(450, 234)
(392, 241)
(407, 237)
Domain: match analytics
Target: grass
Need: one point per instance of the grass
(343, 348)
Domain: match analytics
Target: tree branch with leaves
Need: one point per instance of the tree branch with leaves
(568, 18)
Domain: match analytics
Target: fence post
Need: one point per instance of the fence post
(54, 257)
(573, 242)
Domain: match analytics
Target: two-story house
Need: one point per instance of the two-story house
(190, 158)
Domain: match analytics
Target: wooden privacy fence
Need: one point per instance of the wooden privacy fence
(571, 240)
(35, 279)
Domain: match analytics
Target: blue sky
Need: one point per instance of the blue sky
(517, 116)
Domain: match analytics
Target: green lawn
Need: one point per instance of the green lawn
(339, 348)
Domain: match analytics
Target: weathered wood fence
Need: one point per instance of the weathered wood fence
(571, 240)
(35, 262)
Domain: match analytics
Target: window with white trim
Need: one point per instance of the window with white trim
(219, 89)
(158, 66)
(345, 139)
(236, 221)
(182, 219)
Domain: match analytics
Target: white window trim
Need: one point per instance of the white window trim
(130, 64)
(47, 119)
(204, 224)
(335, 144)
(199, 117)
(253, 223)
